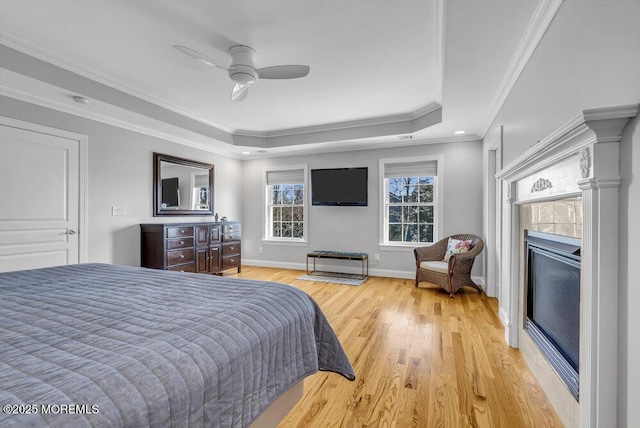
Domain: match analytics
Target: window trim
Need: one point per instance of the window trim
(265, 206)
(439, 190)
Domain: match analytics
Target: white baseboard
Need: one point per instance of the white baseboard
(504, 317)
(387, 273)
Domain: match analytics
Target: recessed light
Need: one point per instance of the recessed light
(459, 132)
(80, 100)
(246, 153)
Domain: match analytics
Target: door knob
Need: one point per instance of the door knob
(70, 232)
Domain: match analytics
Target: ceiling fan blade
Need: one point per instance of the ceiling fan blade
(239, 92)
(283, 72)
(200, 57)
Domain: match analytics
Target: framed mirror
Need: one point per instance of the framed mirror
(181, 186)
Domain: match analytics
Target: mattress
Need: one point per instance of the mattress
(103, 345)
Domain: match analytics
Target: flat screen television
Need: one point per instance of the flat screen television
(339, 187)
(170, 192)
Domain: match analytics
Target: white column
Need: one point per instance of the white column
(509, 290)
(599, 290)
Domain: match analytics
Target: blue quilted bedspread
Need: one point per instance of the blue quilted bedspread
(130, 347)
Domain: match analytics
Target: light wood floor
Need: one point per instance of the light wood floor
(421, 360)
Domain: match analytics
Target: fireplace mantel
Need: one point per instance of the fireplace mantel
(580, 158)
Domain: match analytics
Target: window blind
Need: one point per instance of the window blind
(201, 181)
(411, 169)
(288, 176)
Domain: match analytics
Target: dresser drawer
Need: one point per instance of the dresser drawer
(231, 249)
(227, 237)
(181, 231)
(175, 243)
(231, 228)
(182, 268)
(230, 262)
(177, 257)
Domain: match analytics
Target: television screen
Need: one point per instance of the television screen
(170, 192)
(339, 186)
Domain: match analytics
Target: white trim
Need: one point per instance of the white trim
(83, 175)
(286, 243)
(421, 118)
(351, 145)
(491, 214)
(91, 115)
(403, 247)
(66, 64)
(384, 273)
(420, 113)
(538, 25)
(309, 148)
(597, 133)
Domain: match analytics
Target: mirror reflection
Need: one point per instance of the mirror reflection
(182, 187)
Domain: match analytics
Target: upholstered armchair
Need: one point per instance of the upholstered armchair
(453, 274)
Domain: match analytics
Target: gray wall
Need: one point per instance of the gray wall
(120, 173)
(357, 228)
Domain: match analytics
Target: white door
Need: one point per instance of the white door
(39, 199)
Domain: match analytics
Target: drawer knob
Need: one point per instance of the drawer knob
(181, 242)
(182, 256)
(181, 230)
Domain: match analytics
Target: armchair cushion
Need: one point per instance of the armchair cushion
(435, 266)
(456, 246)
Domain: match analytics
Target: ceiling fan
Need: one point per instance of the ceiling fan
(242, 70)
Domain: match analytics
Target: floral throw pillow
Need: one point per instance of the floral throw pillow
(456, 246)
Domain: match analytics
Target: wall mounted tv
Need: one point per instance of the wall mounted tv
(339, 187)
(170, 192)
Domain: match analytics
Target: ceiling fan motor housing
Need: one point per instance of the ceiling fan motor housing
(242, 70)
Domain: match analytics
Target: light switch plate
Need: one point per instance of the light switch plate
(118, 210)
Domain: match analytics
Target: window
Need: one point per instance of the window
(411, 201)
(285, 204)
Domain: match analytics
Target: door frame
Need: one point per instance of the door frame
(83, 145)
(494, 156)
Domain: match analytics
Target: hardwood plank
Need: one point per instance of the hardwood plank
(421, 360)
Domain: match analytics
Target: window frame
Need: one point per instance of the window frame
(266, 214)
(438, 187)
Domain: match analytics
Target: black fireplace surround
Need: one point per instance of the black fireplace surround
(553, 301)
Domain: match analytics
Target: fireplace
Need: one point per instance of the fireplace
(580, 159)
(553, 301)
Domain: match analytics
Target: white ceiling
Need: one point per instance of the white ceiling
(379, 69)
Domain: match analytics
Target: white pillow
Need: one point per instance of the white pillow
(456, 246)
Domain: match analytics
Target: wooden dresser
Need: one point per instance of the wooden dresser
(192, 247)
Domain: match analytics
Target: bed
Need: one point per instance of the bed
(104, 345)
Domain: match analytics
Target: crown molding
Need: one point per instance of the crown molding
(340, 126)
(42, 54)
(109, 120)
(538, 25)
(591, 126)
(350, 146)
(405, 123)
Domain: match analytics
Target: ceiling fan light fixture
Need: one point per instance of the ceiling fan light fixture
(242, 78)
(243, 74)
